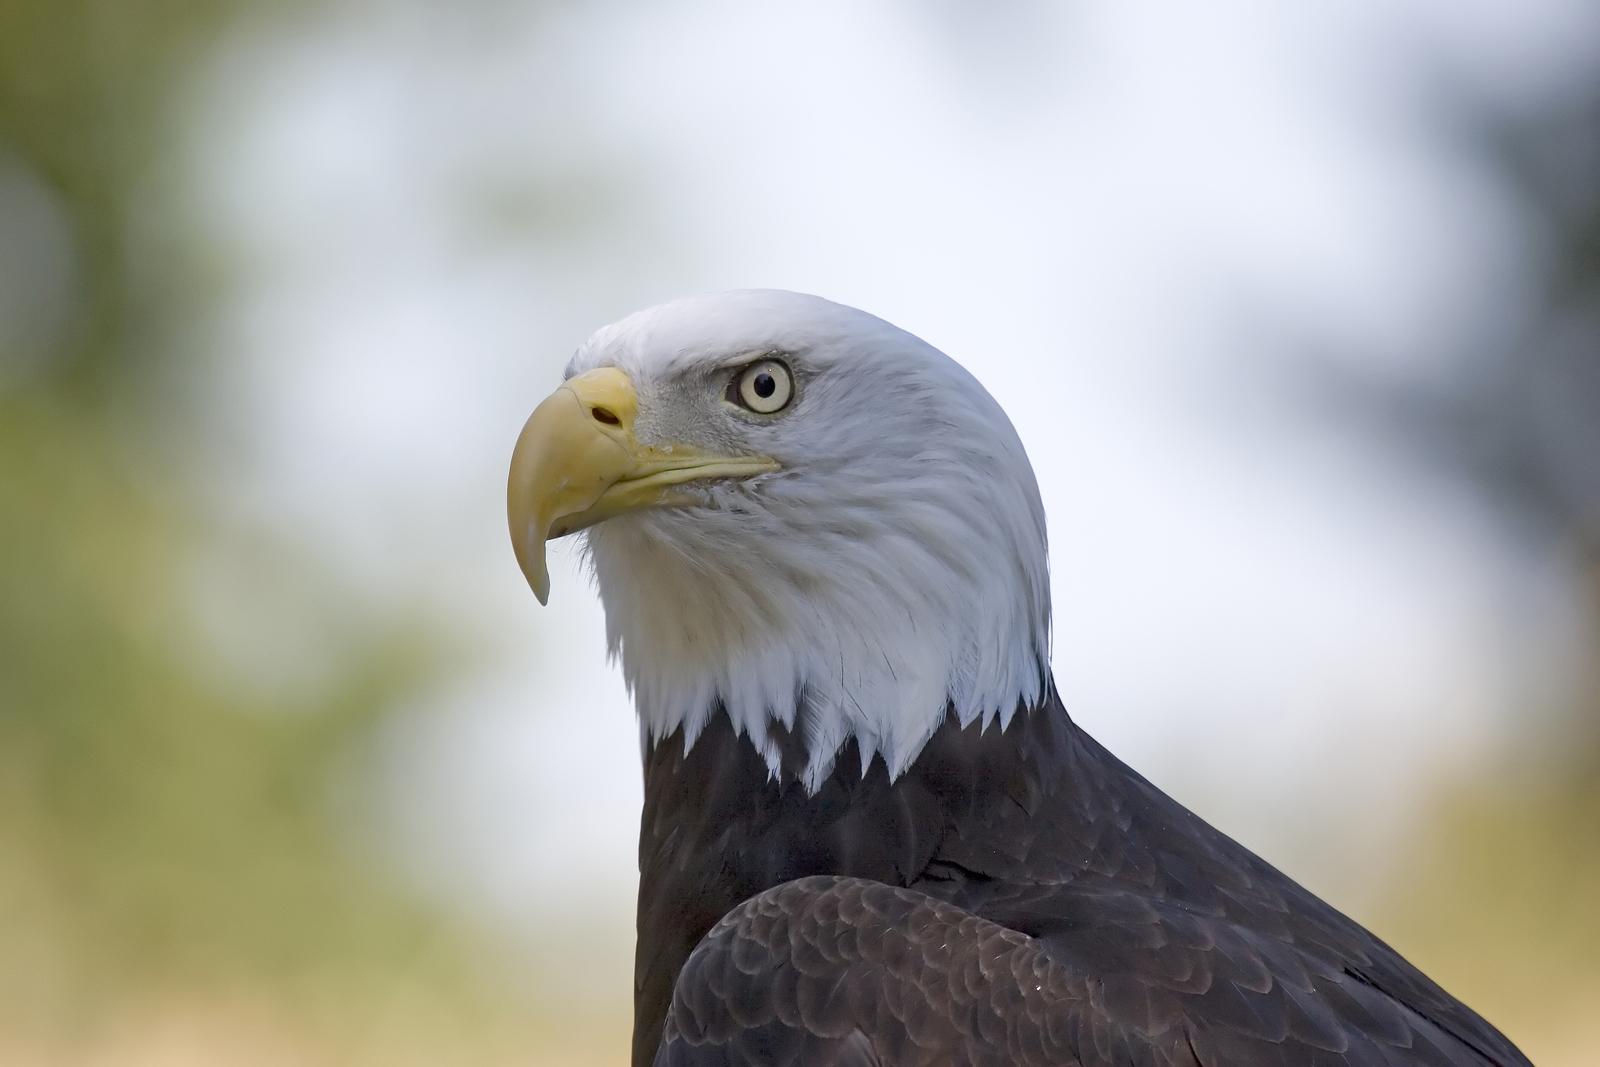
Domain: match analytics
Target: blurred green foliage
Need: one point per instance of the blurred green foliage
(85, 94)
(157, 829)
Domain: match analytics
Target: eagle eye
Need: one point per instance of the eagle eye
(765, 387)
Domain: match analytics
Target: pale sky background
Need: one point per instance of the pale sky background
(1129, 219)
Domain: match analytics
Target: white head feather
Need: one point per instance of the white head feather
(894, 570)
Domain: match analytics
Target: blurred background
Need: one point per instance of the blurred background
(1295, 305)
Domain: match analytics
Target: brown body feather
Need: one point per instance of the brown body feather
(1016, 897)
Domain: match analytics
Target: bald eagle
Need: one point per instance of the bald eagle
(871, 834)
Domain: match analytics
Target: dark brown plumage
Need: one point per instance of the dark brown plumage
(1016, 897)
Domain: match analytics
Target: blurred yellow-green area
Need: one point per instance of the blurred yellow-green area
(174, 885)
(180, 880)
(1500, 908)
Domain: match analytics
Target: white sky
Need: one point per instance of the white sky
(1125, 217)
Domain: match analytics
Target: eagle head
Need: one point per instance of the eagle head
(796, 514)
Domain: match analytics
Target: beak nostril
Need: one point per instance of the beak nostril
(602, 415)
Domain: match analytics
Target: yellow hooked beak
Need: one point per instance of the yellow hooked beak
(578, 463)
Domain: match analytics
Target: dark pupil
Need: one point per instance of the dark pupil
(765, 386)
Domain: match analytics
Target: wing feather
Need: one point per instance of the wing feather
(827, 970)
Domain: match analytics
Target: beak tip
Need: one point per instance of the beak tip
(539, 581)
(531, 561)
